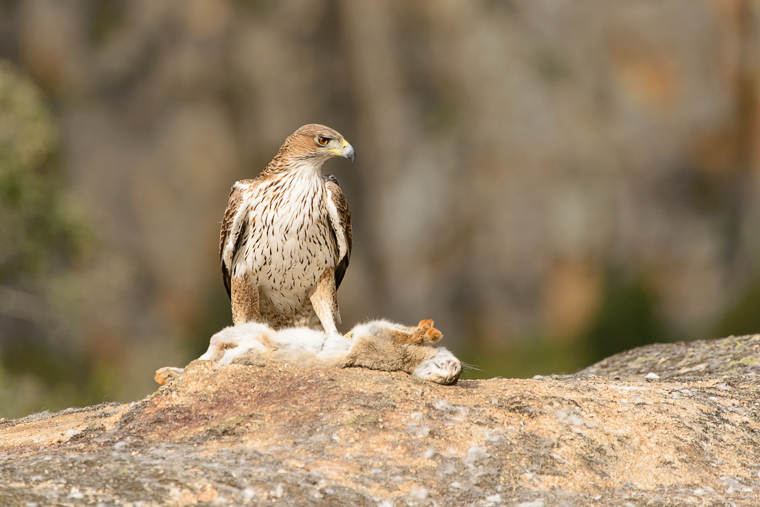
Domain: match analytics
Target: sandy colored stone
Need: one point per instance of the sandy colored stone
(735, 356)
(238, 435)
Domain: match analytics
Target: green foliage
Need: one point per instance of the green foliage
(259, 7)
(39, 238)
(35, 376)
(217, 316)
(628, 318)
(35, 227)
(107, 16)
(743, 317)
(540, 356)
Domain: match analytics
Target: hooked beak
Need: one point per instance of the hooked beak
(345, 151)
(348, 151)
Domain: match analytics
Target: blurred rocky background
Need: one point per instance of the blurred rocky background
(552, 181)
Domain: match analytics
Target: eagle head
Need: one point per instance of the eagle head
(316, 142)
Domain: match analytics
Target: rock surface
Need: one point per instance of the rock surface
(238, 435)
(735, 356)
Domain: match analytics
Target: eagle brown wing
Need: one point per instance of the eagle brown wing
(340, 219)
(230, 236)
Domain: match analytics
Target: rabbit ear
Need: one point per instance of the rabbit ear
(423, 333)
(426, 333)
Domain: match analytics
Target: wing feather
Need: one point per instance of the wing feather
(233, 223)
(340, 220)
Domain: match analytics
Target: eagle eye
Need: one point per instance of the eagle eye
(322, 140)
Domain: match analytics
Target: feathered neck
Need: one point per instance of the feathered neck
(284, 163)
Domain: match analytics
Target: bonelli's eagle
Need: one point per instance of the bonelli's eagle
(286, 237)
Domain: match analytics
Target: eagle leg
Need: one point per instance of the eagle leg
(324, 300)
(245, 301)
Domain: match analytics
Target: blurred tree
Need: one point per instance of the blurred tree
(628, 318)
(522, 133)
(743, 317)
(35, 229)
(38, 235)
